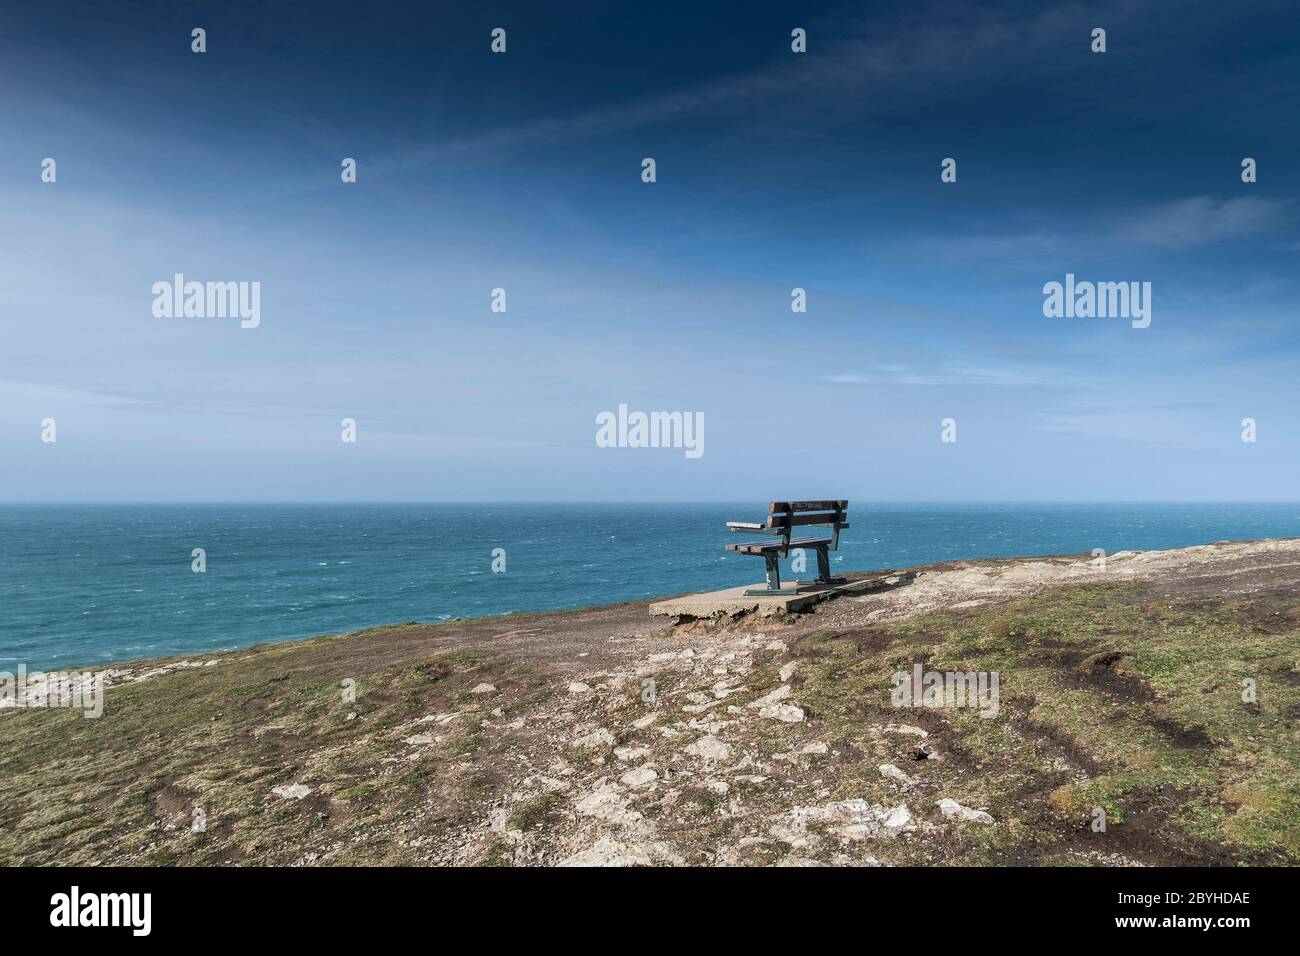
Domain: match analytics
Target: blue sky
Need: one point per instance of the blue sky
(775, 170)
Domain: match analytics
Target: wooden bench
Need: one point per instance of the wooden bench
(782, 518)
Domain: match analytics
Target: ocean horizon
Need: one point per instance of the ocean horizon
(86, 584)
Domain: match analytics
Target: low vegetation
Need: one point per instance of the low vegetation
(1171, 715)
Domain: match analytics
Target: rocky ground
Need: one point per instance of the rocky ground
(1158, 694)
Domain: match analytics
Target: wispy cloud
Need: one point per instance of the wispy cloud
(1201, 220)
(1146, 426)
(993, 377)
(851, 63)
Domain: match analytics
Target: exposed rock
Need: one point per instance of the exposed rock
(951, 808)
(708, 726)
(781, 693)
(723, 690)
(787, 671)
(640, 777)
(856, 819)
(607, 804)
(769, 706)
(788, 713)
(578, 687)
(665, 656)
(699, 708)
(484, 689)
(551, 785)
(796, 838)
(628, 754)
(608, 852)
(291, 791)
(890, 772)
(709, 748)
(903, 729)
(600, 737)
(420, 740)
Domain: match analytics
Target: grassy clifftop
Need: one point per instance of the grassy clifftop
(597, 736)
(1118, 700)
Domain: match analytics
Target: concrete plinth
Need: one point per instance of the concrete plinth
(733, 601)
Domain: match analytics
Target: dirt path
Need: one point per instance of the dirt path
(1222, 568)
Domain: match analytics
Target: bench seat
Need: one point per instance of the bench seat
(778, 544)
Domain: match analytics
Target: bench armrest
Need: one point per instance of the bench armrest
(747, 526)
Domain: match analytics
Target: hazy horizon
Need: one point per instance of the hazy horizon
(741, 502)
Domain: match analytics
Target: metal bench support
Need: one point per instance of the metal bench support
(823, 565)
(773, 564)
(823, 569)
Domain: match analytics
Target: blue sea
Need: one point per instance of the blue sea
(83, 585)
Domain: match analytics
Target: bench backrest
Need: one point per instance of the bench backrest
(784, 516)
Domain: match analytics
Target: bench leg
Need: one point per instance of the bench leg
(823, 568)
(823, 565)
(773, 565)
(773, 571)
